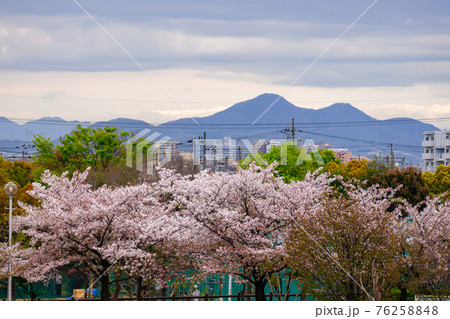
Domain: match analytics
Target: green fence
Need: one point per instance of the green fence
(61, 289)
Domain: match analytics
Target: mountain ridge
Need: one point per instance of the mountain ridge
(340, 124)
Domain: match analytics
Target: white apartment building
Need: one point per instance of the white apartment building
(436, 150)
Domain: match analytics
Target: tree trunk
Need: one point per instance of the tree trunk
(104, 281)
(164, 292)
(303, 292)
(260, 284)
(350, 291)
(139, 288)
(248, 291)
(118, 284)
(403, 294)
(117, 291)
(13, 290)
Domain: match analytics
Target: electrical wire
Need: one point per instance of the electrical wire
(134, 123)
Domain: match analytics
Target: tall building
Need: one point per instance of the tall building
(436, 150)
(260, 146)
(166, 151)
(216, 152)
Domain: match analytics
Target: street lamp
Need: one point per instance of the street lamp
(10, 190)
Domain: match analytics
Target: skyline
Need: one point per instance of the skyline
(394, 62)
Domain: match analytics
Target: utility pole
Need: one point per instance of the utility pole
(392, 157)
(23, 148)
(204, 149)
(293, 131)
(239, 152)
(10, 190)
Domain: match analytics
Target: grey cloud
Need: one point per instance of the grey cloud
(324, 11)
(272, 39)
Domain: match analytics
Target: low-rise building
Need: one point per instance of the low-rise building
(436, 150)
(344, 154)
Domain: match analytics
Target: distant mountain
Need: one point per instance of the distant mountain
(52, 127)
(236, 121)
(124, 124)
(279, 111)
(340, 124)
(10, 130)
(248, 111)
(340, 112)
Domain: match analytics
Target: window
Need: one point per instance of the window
(427, 138)
(432, 138)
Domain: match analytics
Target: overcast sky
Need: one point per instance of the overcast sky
(208, 55)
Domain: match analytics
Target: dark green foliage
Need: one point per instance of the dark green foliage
(413, 188)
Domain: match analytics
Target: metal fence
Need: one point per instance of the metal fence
(238, 297)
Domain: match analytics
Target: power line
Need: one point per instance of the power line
(246, 126)
(132, 123)
(361, 140)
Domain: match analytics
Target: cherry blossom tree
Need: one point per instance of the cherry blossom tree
(237, 222)
(74, 223)
(150, 242)
(134, 228)
(346, 248)
(344, 243)
(16, 255)
(4, 260)
(359, 245)
(425, 262)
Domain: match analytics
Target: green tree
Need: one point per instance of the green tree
(83, 147)
(293, 162)
(46, 156)
(102, 149)
(439, 181)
